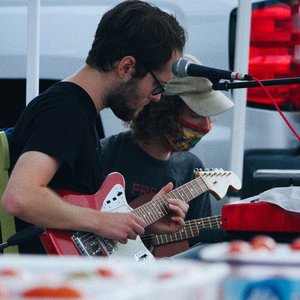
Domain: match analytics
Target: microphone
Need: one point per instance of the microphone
(183, 68)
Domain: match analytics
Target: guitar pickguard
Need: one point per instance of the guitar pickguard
(91, 245)
(116, 200)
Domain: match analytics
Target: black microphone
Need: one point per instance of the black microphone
(183, 68)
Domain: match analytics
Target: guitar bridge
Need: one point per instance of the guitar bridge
(90, 245)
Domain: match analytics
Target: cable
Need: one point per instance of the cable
(277, 107)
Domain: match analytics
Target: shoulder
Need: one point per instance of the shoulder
(188, 159)
(62, 112)
(117, 145)
(61, 96)
(117, 139)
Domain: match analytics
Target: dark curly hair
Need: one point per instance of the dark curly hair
(157, 119)
(139, 29)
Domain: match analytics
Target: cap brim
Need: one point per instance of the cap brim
(198, 94)
(207, 103)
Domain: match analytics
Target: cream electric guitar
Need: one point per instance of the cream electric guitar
(111, 198)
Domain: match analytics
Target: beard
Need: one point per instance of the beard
(121, 98)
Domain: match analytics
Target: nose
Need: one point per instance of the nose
(204, 122)
(207, 123)
(155, 98)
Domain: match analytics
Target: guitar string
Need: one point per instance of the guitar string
(160, 239)
(209, 222)
(149, 215)
(193, 225)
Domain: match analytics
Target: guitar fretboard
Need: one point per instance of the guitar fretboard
(156, 209)
(190, 230)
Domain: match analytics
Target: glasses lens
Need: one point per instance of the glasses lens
(159, 89)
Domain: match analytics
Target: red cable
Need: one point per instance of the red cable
(277, 107)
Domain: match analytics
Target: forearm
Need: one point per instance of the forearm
(56, 213)
(45, 208)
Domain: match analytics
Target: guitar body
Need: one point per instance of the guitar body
(171, 249)
(109, 198)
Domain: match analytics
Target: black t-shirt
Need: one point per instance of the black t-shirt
(144, 174)
(61, 123)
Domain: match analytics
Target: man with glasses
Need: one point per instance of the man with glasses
(55, 145)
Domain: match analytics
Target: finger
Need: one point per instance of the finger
(179, 203)
(139, 221)
(177, 210)
(132, 236)
(134, 232)
(138, 229)
(164, 190)
(178, 221)
(123, 240)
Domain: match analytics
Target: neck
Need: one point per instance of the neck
(156, 148)
(94, 82)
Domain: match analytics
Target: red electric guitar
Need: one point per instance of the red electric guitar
(111, 198)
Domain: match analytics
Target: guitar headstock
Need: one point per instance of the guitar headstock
(219, 181)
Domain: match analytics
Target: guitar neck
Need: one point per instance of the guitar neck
(190, 230)
(157, 208)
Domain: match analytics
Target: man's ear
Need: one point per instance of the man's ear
(126, 67)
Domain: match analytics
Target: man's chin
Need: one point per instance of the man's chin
(126, 116)
(137, 111)
(125, 113)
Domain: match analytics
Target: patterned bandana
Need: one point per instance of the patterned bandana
(187, 136)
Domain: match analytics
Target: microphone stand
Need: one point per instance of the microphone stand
(225, 86)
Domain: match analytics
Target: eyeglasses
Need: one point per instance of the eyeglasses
(160, 88)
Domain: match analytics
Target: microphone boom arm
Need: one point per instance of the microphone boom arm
(225, 86)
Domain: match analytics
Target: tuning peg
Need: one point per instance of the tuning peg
(197, 172)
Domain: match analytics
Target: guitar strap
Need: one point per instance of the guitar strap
(7, 222)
